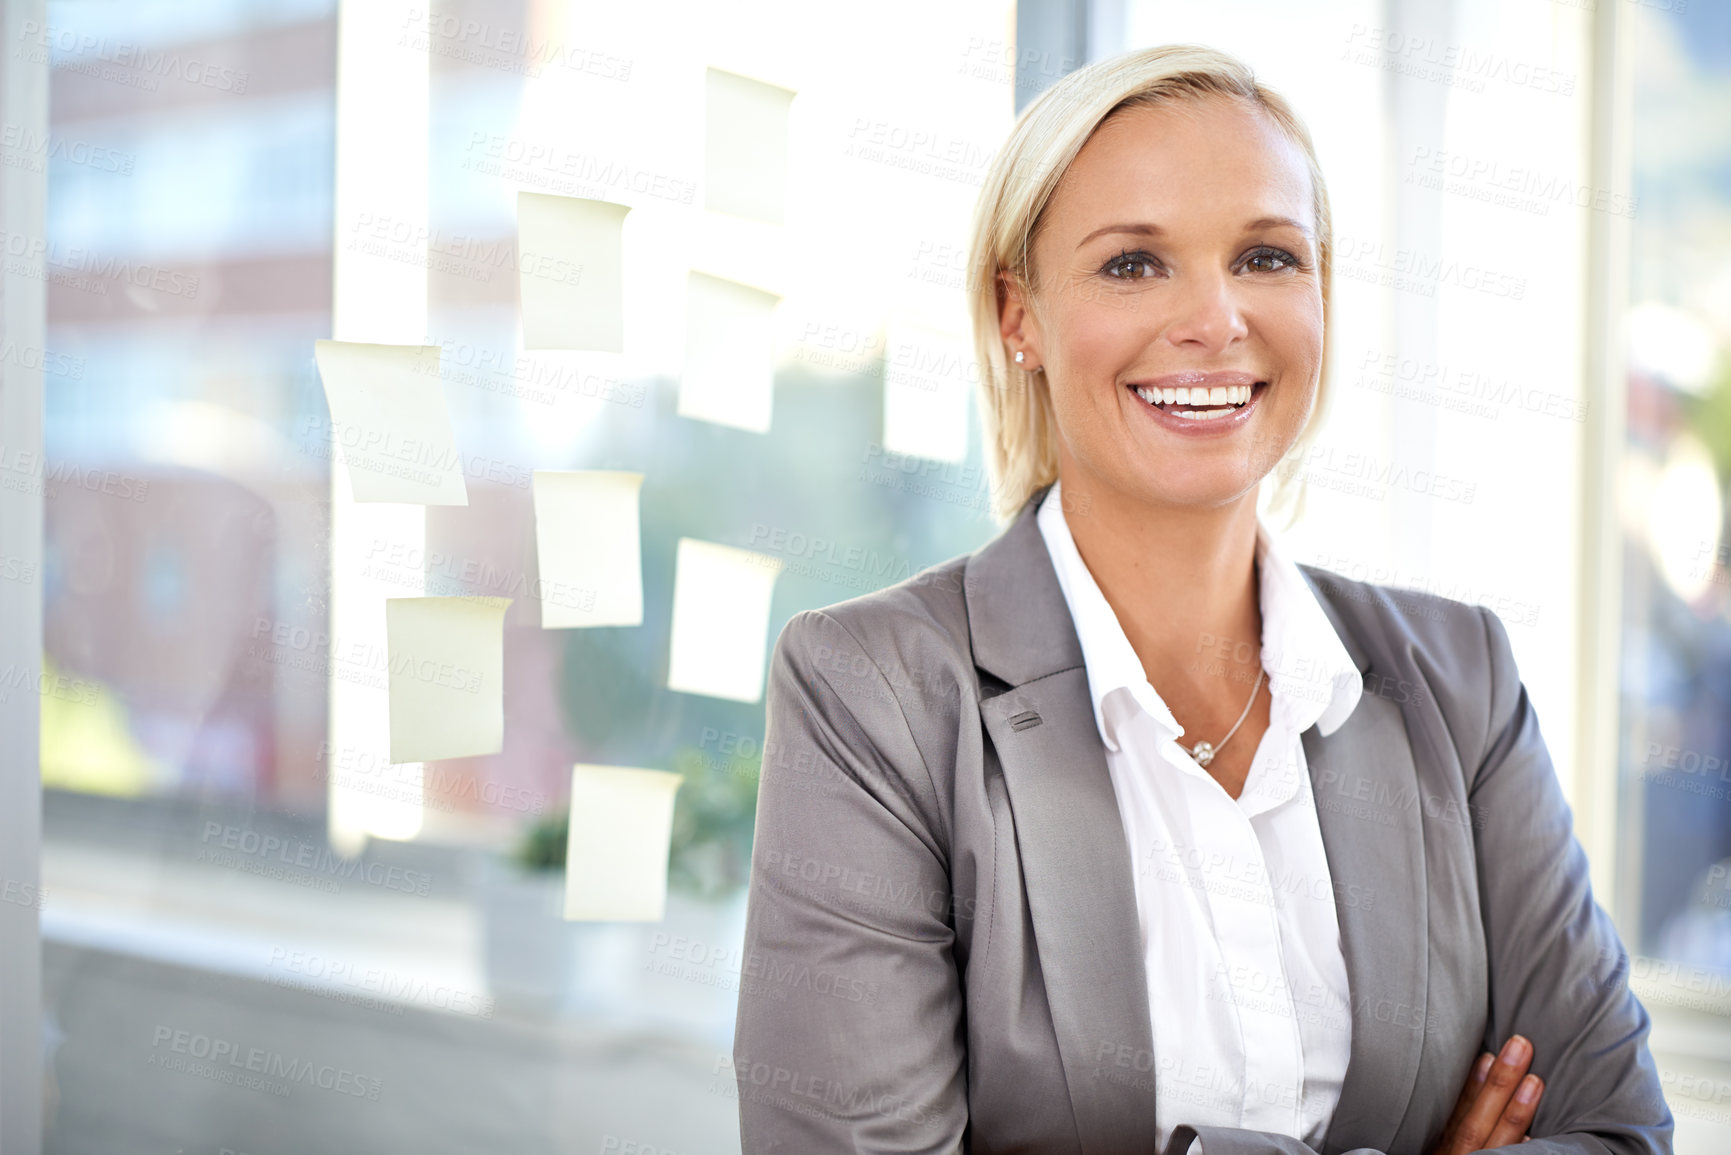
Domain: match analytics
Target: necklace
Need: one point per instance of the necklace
(1203, 752)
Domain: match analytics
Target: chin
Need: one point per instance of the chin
(1199, 489)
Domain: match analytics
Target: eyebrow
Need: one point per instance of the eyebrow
(1149, 229)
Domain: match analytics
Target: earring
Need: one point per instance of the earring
(1020, 356)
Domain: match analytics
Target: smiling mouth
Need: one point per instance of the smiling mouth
(1199, 403)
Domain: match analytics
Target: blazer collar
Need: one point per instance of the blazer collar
(1011, 588)
(1076, 868)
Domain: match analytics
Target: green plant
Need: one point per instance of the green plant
(714, 815)
(542, 846)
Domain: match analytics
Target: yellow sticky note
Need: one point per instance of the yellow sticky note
(721, 601)
(447, 676)
(745, 146)
(571, 272)
(588, 540)
(616, 852)
(389, 423)
(729, 353)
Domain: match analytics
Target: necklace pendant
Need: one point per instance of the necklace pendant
(1203, 752)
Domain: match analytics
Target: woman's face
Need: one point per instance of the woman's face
(1178, 252)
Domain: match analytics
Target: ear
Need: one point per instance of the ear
(1017, 324)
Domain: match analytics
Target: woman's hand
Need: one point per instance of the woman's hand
(1491, 1111)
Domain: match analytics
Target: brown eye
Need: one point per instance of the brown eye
(1284, 260)
(1123, 267)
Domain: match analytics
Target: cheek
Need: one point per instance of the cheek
(1101, 339)
(1295, 331)
(1293, 339)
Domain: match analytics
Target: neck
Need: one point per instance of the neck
(1181, 580)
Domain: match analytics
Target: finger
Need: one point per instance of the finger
(1519, 1113)
(1470, 1089)
(1493, 1097)
(1469, 1092)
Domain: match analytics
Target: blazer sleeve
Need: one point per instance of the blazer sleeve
(849, 1033)
(1558, 971)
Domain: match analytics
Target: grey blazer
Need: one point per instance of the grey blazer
(942, 949)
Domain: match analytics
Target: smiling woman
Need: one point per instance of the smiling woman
(1307, 927)
(1217, 249)
(1177, 372)
(1227, 186)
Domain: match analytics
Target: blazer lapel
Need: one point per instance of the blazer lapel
(1075, 860)
(1076, 868)
(1370, 810)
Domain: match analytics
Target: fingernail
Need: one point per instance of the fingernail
(1482, 1068)
(1515, 1050)
(1528, 1091)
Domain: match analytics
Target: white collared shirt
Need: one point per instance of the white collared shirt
(1247, 985)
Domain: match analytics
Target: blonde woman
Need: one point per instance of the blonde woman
(1125, 833)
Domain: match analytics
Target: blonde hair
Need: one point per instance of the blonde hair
(1016, 409)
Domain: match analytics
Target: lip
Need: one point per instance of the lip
(1188, 427)
(1193, 377)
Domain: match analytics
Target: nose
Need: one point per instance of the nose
(1203, 312)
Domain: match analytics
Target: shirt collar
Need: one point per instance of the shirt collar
(1311, 676)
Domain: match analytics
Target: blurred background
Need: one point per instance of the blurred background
(1530, 409)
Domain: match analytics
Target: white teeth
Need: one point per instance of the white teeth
(1233, 395)
(1204, 414)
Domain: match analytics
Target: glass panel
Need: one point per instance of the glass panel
(1674, 805)
(230, 966)
(1676, 708)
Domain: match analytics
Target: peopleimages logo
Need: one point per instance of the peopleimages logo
(428, 785)
(28, 471)
(309, 856)
(87, 51)
(171, 1048)
(319, 975)
(77, 259)
(811, 1094)
(26, 148)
